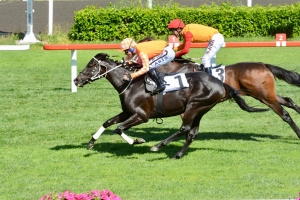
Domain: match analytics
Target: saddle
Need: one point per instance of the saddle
(173, 82)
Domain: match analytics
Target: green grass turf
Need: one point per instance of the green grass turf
(45, 128)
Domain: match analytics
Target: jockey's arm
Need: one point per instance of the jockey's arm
(144, 69)
(185, 46)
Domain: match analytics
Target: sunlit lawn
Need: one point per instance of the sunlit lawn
(45, 128)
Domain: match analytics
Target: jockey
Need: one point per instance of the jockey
(151, 55)
(197, 33)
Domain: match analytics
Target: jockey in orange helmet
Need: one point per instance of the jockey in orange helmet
(197, 33)
(151, 55)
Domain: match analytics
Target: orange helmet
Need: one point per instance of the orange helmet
(127, 43)
(176, 23)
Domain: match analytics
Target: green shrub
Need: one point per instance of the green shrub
(108, 24)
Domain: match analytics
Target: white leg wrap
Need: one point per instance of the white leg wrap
(128, 139)
(98, 133)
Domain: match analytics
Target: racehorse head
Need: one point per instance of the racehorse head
(95, 69)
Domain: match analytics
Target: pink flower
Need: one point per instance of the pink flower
(298, 197)
(94, 195)
(108, 195)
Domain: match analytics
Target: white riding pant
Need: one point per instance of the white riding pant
(166, 56)
(212, 48)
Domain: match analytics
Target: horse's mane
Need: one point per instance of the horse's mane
(105, 57)
(102, 56)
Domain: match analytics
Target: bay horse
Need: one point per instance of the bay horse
(138, 106)
(255, 79)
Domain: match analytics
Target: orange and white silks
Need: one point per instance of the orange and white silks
(153, 54)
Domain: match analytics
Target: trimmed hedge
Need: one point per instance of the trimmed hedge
(108, 24)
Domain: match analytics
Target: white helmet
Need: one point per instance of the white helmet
(127, 43)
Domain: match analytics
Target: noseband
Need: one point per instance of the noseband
(97, 74)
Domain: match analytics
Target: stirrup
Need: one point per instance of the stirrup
(158, 90)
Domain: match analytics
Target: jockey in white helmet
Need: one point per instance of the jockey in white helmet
(151, 55)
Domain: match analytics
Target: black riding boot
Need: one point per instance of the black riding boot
(199, 67)
(208, 70)
(159, 82)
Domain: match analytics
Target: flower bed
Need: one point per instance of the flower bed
(93, 195)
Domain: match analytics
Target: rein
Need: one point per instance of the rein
(98, 75)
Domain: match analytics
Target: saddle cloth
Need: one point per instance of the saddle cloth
(173, 82)
(219, 72)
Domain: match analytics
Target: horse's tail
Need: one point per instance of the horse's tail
(232, 93)
(290, 77)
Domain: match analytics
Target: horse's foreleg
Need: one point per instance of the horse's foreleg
(114, 120)
(288, 102)
(133, 120)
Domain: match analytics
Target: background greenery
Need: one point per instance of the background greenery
(114, 23)
(45, 128)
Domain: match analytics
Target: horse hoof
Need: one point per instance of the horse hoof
(91, 144)
(154, 148)
(177, 156)
(139, 141)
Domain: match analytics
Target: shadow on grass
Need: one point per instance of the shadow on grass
(157, 135)
(62, 89)
(128, 151)
(117, 150)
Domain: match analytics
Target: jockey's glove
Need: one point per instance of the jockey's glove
(127, 77)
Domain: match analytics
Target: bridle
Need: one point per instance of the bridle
(97, 70)
(97, 75)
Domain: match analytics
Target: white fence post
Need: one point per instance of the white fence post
(249, 3)
(50, 20)
(150, 4)
(29, 37)
(73, 69)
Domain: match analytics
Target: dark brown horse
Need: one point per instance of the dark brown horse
(138, 106)
(253, 79)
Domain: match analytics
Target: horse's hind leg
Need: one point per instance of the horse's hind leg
(188, 141)
(288, 102)
(176, 135)
(190, 136)
(191, 133)
(278, 109)
(166, 141)
(183, 130)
